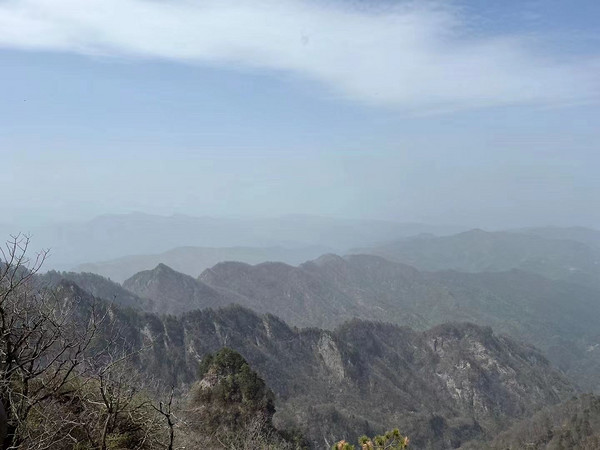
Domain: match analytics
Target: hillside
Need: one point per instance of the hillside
(297, 295)
(551, 256)
(442, 386)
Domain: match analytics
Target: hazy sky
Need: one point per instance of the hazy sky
(475, 112)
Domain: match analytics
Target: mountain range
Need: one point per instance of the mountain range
(114, 236)
(194, 260)
(473, 340)
(557, 316)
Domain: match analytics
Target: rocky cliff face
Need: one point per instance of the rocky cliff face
(442, 387)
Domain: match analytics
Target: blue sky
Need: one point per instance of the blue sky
(479, 113)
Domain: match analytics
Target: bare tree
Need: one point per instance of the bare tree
(65, 371)
(40, 344)
(166, 410)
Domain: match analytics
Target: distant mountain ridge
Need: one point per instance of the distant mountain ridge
(194, 260)
(588, 236)
(562, 253)
(113, 236)
(547, 252)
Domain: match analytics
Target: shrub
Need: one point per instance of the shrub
(392, 440)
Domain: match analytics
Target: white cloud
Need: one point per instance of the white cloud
(415, 56)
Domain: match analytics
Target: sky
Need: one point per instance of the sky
(456, 112)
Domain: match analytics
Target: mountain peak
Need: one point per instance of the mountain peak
(328, 258)
(161, 267)
(175, 292)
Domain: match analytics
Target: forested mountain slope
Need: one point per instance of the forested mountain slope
(441, 386)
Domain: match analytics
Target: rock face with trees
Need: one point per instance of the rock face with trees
(556, 316)
(231, 407)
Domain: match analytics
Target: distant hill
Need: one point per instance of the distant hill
(558, 317)
(442, 387)
(481, 251)
(194, 260)
(113, 236)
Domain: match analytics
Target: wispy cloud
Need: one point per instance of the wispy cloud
(416, 56)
